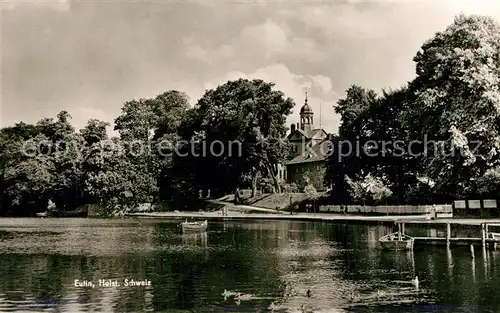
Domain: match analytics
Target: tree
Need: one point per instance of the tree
(289, 188)
(357, 126)
(168, 110)
(458, 103)
(29, 180)
(94, 132)
(368, 188)
(249, 117)
(312, 194)
(65, 154)
(119, 183)
(50, 161)
(41, 162)
(376, 188)
(357, 192)
(135, 121)
(148, 131)
(68, 172)
(446, 121)
(11, 147)
(489, 183)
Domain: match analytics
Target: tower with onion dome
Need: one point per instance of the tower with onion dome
(306, 117)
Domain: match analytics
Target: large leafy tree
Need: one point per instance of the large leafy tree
(41, 162)
(97, 147)
(65, 155)
(457, 103)
(247, 120)
(348, 160)
(28, 175)
(11, 144)
(87, 167)
(116, 182)
(137, 163)
(441, 131)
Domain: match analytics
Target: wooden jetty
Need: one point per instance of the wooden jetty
(487, 240)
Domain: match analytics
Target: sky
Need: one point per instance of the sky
(89, 57)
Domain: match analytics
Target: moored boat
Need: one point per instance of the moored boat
(190, 227)
(42, 214)
(396, 241)
(495, 236)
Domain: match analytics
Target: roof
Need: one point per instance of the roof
(306, 109)
(315, 132)
(308, 134)
(319, 152)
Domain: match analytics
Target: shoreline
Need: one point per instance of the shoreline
(442, 219)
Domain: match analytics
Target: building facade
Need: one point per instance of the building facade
(310, 149)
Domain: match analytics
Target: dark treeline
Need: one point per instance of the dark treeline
(434, 139)
(166, 151)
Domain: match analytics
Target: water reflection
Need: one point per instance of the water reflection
(412, 256)
(485, 263)
(200, 239)
(473, 269)
(68, 236)
(449, 259)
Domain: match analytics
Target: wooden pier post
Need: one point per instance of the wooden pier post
(486, 235)
(485, 258)
(483, 235)
(403, 228)
(448, 234)
(399, 231)
(472, 250)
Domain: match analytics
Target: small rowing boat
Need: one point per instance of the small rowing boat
(191, 227)
(495, 236)
(42, 214)
(396, 241)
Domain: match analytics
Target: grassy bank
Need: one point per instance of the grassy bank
(273, 201)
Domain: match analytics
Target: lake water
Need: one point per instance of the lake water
(274, 262)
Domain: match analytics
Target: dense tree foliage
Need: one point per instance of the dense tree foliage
(236, 132)
(435, 139)
(165, 151)
(51, 161)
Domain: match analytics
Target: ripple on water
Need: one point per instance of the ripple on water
(323, 276)
(309, 251)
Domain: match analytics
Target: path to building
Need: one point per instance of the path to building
(244, 208)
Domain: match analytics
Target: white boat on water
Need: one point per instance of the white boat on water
(191, 227)
(396, 241)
